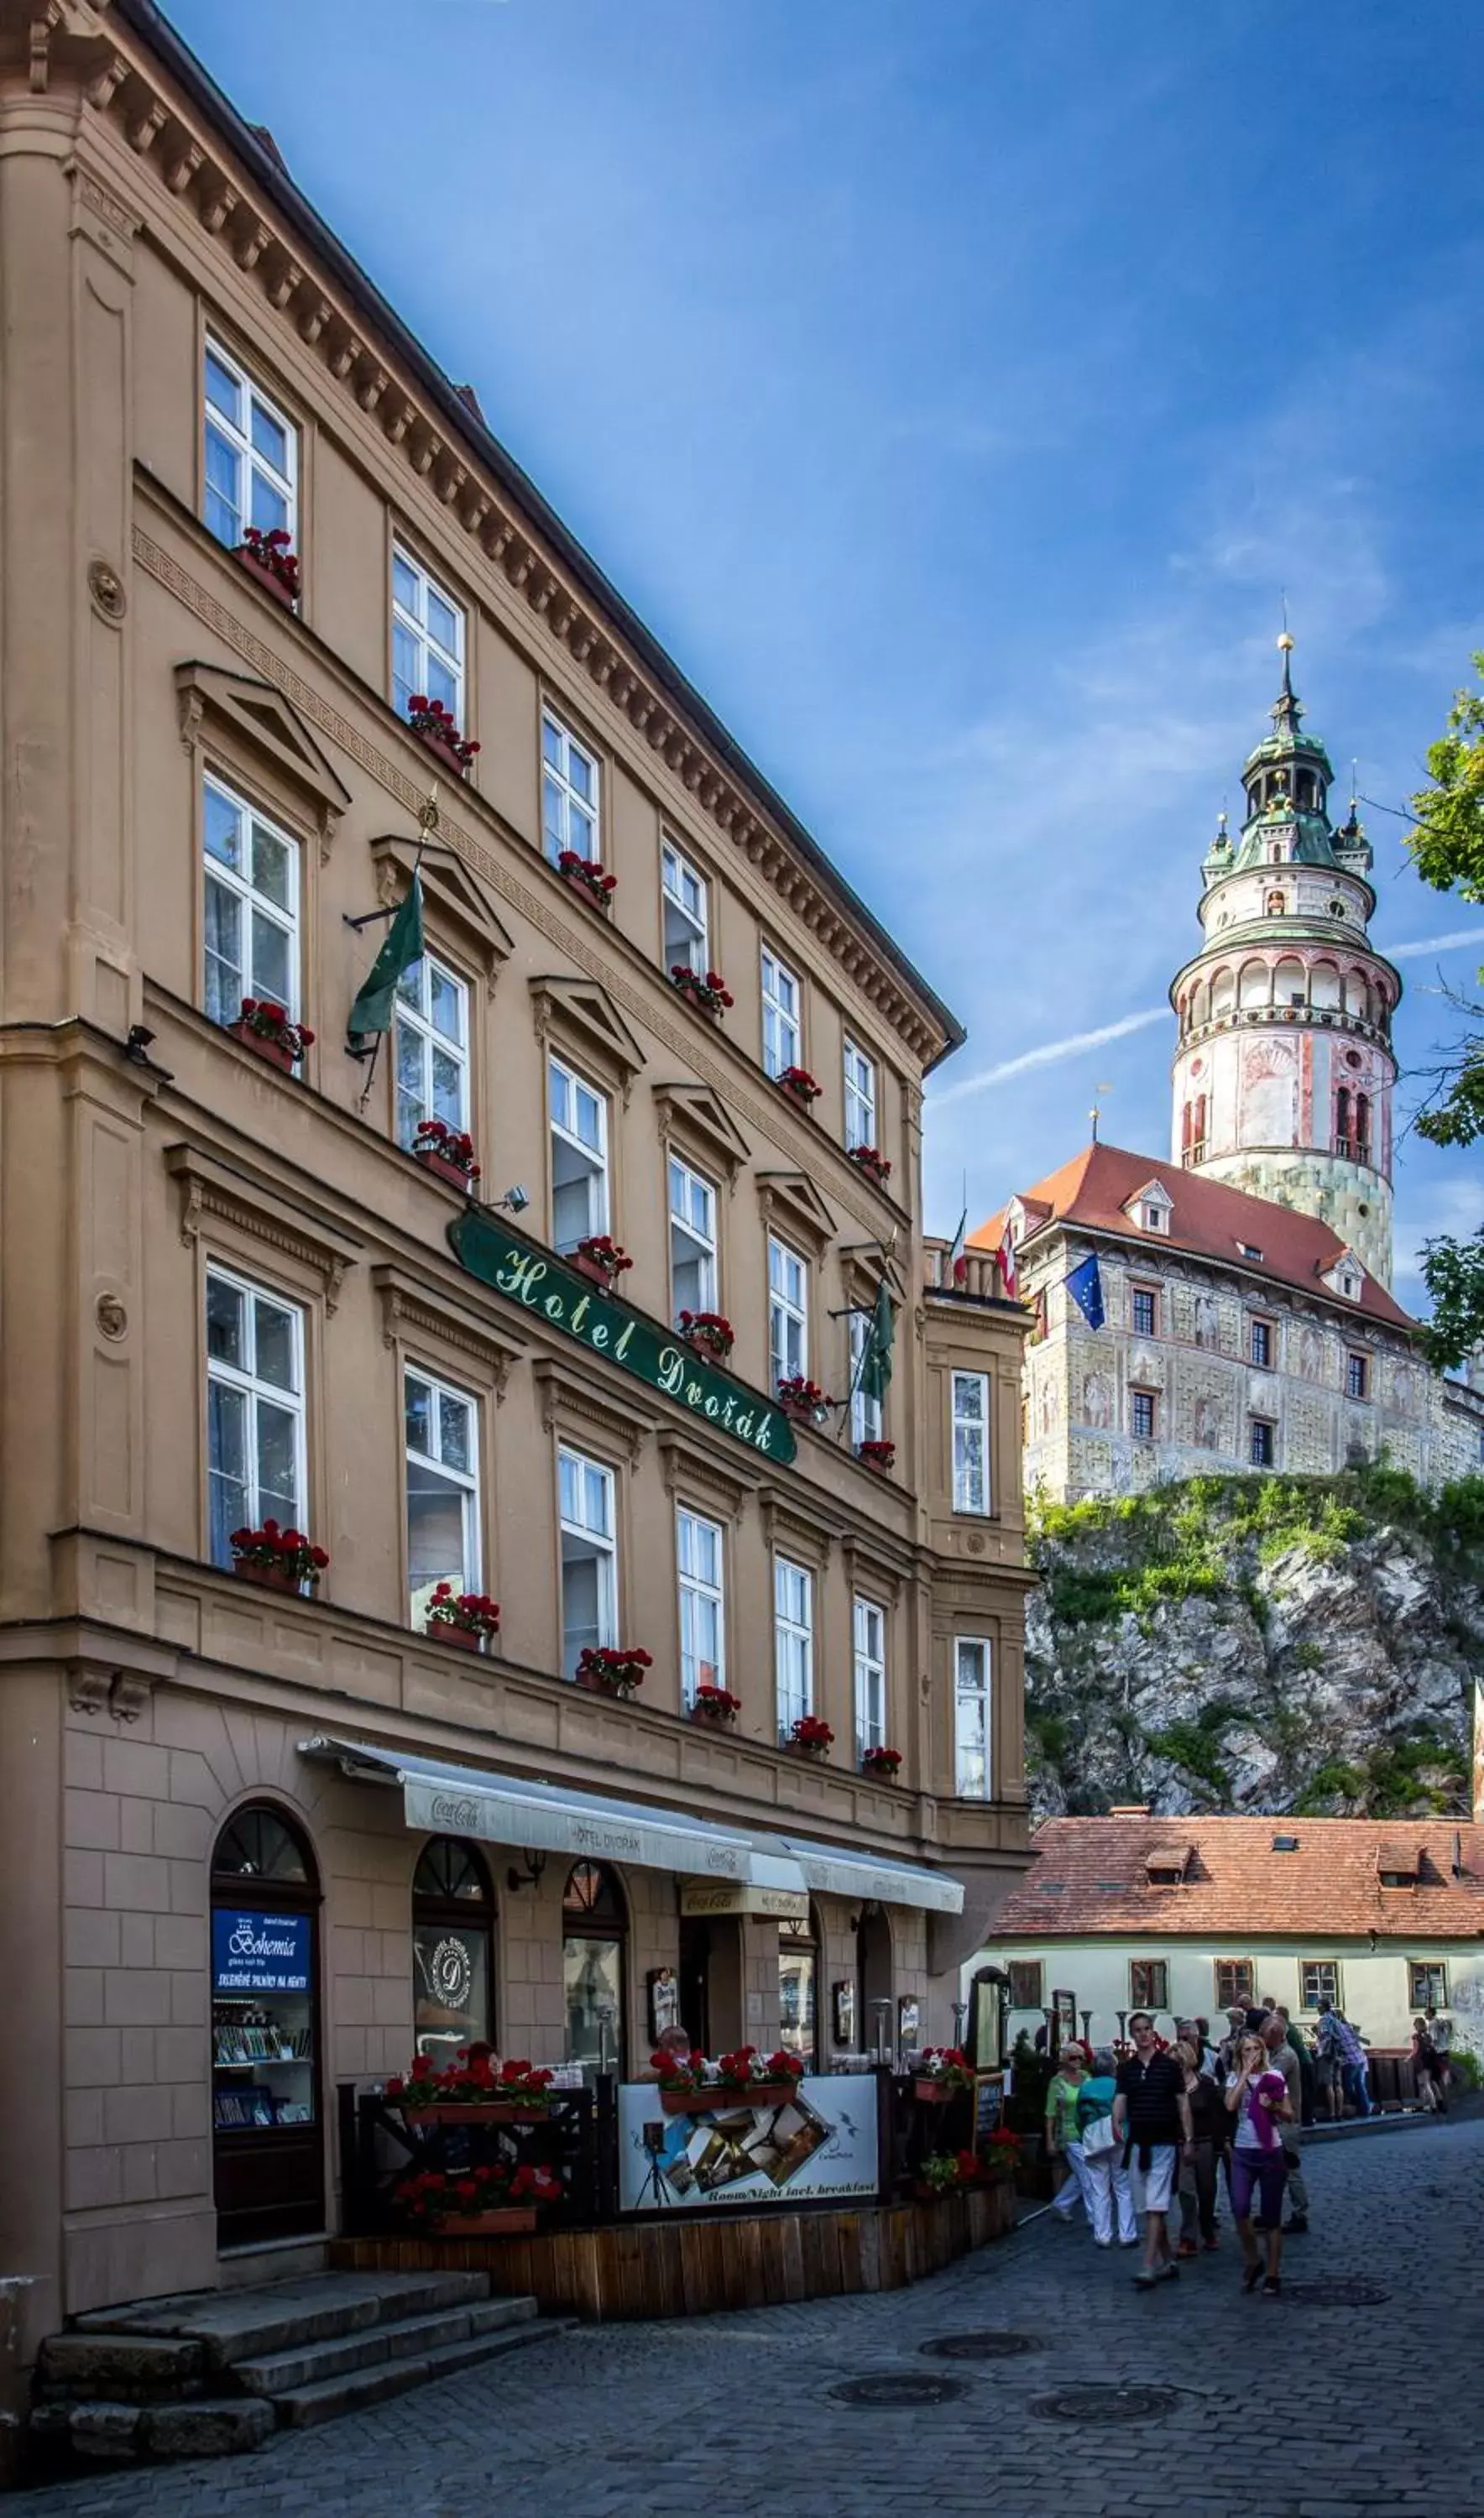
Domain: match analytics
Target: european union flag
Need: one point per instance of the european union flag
(1086, 1287)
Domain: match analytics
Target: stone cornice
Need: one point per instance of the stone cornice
(236, 216)
(257, 1205)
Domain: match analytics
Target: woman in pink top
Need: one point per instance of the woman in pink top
(1259, 2098)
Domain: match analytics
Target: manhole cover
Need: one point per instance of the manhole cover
(1337, 2295)
(991, 2343)
(1106, 2404)
(898, 2387)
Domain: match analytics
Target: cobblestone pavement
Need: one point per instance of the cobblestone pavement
(1290, 2408)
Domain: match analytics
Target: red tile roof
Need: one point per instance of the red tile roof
(1092, 1190)
(1090, 1875)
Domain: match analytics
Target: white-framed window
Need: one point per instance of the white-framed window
(579, 1156)
(865, 1412)
(970, 1442)
(442, 1429)
(427, 639)
(252, 907)
(860, 1098)
(587, 1496)
(431, 1046)
(782, 1036)
(251, 470)
(870, 1676)
(255, 1446)
(971, 1717)
(699, 1571)
(570, 816)
(692, 1240)
(793, 1641)
(687, 921)
(788, 1318)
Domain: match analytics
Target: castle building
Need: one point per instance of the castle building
(1247, 1320)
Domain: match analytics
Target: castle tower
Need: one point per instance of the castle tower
(1283, 1072)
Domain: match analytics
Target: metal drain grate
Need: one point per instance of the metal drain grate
(898, 2387)
(1106, 2403)
(989, 2343)
(1337, 2295)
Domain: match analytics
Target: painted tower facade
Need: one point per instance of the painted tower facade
(1283, 1072)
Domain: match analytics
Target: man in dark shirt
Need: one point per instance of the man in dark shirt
(1152, 2118)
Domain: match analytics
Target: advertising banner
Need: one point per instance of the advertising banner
(818, 2146)
(254, 1953)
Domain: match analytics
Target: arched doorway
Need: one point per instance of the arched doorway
(594, 1930)
(268, 2140)
(873, 1973)
(453, 1949)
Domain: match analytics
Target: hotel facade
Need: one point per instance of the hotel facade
(256, 1840)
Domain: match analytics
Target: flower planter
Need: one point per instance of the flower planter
(477, 2111)
(515, 2221)
(593, 1270)
(263, 1046)
(442, 1169)
(266, 577)
(593, 896)
(598, 1686)
(930, 2094)
(442, 1630)
(267, 1577)
(814, 1752)
(716, 2101)
(442, 752)
(713, 1718)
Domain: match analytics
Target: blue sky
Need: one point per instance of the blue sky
(955, 390)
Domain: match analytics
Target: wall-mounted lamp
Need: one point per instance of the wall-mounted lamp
(137, 1046)
(535, 1861)
(514, 1201)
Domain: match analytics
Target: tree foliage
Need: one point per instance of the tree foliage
(1447, 848)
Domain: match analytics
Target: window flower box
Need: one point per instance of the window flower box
(447, 1152)
(877, 1456)
(811, 1737)
(707, 991)
(872, 1161)
(494, 2200)
(612, 1670)
(474, 2089)
(710, 1333)
(277, 1559)
(270, 558)
(882, 1763)
(714, 1707)
(742, 2079)
(470, 1619)
(586, 875)
(432, 724)
(800, 1086)
(600, 1258)
(264, 1027)
(803, 1400)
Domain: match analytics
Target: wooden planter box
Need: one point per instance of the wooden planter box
(442, 1169)
(719, 2101)
(477, 2111)
(267, 1577)
(515, 2221)
(442, 752)
(266, 577)
(272, 1051)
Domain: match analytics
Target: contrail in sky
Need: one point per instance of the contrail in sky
(1052, 1051)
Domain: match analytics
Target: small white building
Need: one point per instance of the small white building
(1184, 1917)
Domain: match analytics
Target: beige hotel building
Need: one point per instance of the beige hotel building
(230, 1289)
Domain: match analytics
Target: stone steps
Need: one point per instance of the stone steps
(307, 2364)
(304, 2407)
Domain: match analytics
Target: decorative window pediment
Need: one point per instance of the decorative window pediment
(582, 1014)
(791, 1200)
(695, 1113)
(1345, 1276)
(694, 1472)
(252, 728)
(455, 897)
(573, 1404)
(255, 1203)
(416, 1309)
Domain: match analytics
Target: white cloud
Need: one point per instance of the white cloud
(1049, 1054)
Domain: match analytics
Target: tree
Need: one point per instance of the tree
(1447, 848)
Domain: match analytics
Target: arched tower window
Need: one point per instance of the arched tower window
(1363, 1127)
(1343, 1120)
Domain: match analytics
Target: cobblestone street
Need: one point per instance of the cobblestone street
(1297, 2408)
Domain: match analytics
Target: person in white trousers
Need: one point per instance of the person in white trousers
(1063, 2141)
(1103, 2175)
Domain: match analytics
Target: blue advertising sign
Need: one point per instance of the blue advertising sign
(254, 1953)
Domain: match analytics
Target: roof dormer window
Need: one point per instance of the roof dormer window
(1249, 1250)
(1165, 1865)
(1150, 1207)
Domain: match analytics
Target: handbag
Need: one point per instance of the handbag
(1098, 2139)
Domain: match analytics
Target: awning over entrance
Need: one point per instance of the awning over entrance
(552, 1818)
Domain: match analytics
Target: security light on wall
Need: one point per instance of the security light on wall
(514, 1201)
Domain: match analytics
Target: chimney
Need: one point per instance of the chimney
(1129, 1809)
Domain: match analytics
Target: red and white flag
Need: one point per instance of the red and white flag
(1005, 1258)
(958, 1263)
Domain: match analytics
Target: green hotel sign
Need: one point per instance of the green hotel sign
(539, 1282)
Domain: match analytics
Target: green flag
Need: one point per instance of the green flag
(876, 1353)
(401, 947)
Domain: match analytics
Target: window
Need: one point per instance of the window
(1236, 1980)
(870, 1678)
(798, 2009)
(589, 1557)
(427, 640)
(1262, 1442)
(1027, 1977)
(1141, 1415)
(1318, 1981)
(1146, 1312)
(692, 1240)
(970, 1442)
(595, 1929)
(1426, 1985)
(1262, 1344)
(866, 1412)
(781, 1034)
(252, 456)
(1357, 1376)
(1154, 1219)
(971, 1717)
(1148, 1984)
(860, 1097)
(442, 1489)
(432, 1048)
(702, 1636)
(682, 892)
(569, 793)
(252, 908)
(1249, 1250)
(579, 1156)
(793, 1642)
(453, 1911)
(788, 1343)
(254, 1409)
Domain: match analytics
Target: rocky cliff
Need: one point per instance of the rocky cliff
(1265, 1643)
